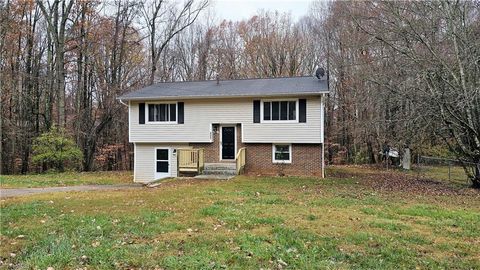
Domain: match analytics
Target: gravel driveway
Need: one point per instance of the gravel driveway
(13, 192)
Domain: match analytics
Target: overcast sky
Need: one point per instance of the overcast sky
(243, 9)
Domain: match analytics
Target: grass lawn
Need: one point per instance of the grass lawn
(352, 220)
(65, 179)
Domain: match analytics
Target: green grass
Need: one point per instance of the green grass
(245, 223)
(64, 179)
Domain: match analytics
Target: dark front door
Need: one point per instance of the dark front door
(228, 142)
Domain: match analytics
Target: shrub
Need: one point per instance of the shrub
(440, 151)
(54, 149)
(361, 157)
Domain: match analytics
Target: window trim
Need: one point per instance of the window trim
(147, 119)
(279, 121)
(282, 161)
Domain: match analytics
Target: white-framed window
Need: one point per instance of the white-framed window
(162, 112)
(279, 110)
(282, 153)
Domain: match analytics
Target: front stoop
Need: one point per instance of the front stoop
(223, 171)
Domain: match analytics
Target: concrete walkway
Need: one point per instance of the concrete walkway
(13, 192)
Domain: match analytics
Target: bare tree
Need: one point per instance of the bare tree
(438, 53)
(400, 78)
(164, 20)
(105, 69)
(4, 14)
(192, 53)
(57, 16)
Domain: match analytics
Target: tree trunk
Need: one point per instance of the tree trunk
(476, 175)
(370, 152)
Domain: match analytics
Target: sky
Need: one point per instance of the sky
(243, 9)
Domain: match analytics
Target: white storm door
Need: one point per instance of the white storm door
(162, 163)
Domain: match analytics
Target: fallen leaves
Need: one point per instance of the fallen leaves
(281, 263)
(394, 181)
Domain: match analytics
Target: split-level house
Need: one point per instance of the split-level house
(269, 126)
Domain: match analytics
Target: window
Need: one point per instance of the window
(280, 110)
(162, 112)
(282, 153)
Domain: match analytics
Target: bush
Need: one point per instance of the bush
(440, 151)
(361, 157)
(54, 149)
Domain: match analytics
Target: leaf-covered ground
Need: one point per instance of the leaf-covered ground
(424, 181)
(358, 218)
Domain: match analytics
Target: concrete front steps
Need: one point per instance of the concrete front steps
(218, 171)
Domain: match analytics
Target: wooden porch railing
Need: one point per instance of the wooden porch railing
(240, 160)
(190, 160)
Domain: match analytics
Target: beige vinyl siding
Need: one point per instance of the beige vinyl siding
(144, 170)
(287, 132)
(200, 114)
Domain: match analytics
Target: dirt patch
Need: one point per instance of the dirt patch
(395, 181)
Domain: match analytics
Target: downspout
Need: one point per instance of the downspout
(123, 103)
(322, 107)
(323, 160)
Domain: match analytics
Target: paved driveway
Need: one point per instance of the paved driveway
(13, 192)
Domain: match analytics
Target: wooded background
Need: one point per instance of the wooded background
(402, 73)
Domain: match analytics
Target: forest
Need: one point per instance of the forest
(400, 73)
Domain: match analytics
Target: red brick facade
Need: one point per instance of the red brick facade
(306, 158)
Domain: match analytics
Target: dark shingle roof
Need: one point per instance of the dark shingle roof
(287, 86)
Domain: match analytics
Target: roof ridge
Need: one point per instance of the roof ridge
(241, 79)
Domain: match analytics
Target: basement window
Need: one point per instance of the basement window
(282, 153)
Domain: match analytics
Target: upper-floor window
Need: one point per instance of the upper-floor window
(282, 110)
(164, 112)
